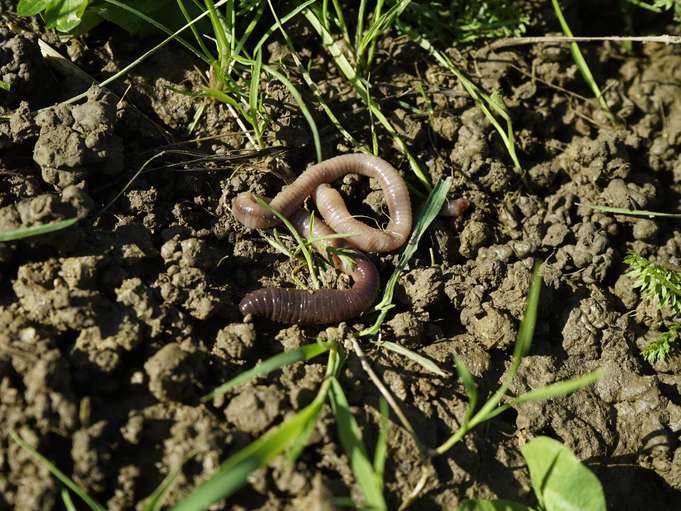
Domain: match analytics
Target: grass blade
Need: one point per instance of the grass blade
(156, 500)
(67, 500)
(381, 450)
(306, 352)
(234, 472)
(299, 240)
(633, 212)
(292, 434)
(351, 440)
(559, 389)
(529, 321)
(430, 210)
(36, 230)
(66, 480)
(578, 57)
(424, 362)
(469, 386)
(298, 98)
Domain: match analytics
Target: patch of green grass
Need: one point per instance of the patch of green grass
(36, 230)
(466, 21)
(660, 286)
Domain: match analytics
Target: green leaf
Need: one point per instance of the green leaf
(560, 481)
(32, 7)
(65, 15)
(492, 505)
(5, 86)
(36, 230)
(306, 352)
(351, 440)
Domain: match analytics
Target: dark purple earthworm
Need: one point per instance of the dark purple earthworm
(331, 305)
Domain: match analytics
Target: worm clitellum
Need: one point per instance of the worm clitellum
(332, 305)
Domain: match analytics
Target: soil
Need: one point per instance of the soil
(112, 330)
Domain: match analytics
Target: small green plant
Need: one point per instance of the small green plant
(659, 6)
(662, 287)
(559, 480)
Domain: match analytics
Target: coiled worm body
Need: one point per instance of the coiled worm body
(331, 305)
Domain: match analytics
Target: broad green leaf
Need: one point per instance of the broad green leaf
(65, 15)
(5, 86)
(492, 505)
(36, 230)
(351, 440)
(32, 7)
(560, 481)
(306, 352)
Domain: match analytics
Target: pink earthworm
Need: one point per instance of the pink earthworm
(330, 305)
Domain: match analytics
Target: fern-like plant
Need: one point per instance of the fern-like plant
(662, 286)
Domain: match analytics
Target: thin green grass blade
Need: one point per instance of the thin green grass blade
(234, 472)
(486, 102)
(633, 212)
(306, 352)
(351, 440)
(561, 388)
(65, 480)
(579, 59)
(156, 500)
(381, 450)
(292, 14)
(36, 230)
(298, 98)
(67, 500)
(529, 321)
(469, 386)
(522, 345)
(350, 74)
(430, 210)
(424, 362)
(314, 88)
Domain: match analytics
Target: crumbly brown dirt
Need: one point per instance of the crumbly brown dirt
(112, 330)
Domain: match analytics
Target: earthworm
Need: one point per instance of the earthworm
(330, 305)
